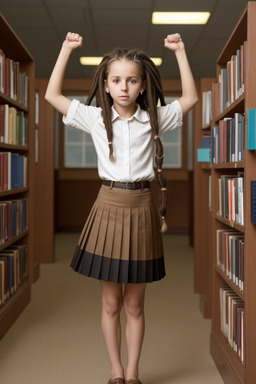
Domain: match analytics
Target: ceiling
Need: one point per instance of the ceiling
(105, 24)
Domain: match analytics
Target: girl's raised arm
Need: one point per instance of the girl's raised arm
(189, 93)
(54, 90)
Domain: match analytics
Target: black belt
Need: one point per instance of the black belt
(130, 186)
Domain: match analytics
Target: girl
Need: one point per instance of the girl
(121, 242)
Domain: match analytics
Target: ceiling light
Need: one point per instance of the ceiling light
(86, 60)
(180, 17)
(157, 61)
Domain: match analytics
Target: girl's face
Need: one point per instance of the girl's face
(124, 83)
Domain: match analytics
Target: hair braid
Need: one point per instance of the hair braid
(103, 100)
(154, 93)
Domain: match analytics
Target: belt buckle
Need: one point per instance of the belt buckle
(130, 186)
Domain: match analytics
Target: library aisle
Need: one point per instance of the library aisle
(57, 339)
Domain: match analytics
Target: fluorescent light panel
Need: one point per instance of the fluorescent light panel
(157, 61)
(180, 17)
(86, 60)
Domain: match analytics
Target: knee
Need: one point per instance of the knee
(112, 306)
(133, 307)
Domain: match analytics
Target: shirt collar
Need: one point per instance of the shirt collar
(139, 115)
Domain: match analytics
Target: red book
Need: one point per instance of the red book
(7, 76)
(2, 79)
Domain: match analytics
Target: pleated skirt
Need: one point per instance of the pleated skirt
(121, 240)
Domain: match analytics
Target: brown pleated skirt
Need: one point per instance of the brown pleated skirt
(121, 241)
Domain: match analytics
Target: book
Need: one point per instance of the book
(224, 90)
(206, 108)
(232, 319)
(206, 142)
(13, 82)
(204, 155)
(2, 71)
(231, 197)
(13, 126)
(251, 129)
(13, 219)
(13, 171)
(253, 201)
(227, 140)
(13, 270)
(232, 78)
(230, 255)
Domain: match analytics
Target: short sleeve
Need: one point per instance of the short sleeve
(82, 116)
(169, 117)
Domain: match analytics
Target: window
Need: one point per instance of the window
(172, 142)
(79, 150)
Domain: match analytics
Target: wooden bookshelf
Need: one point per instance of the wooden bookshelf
(14, 49)
(232, 369)
(45, 126)
(202, 212)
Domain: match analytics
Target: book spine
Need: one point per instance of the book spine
(232, 78)
(253, 201)
(251, 129)
(13, 270)
(13, 218)
(232, 320)
(231, 198)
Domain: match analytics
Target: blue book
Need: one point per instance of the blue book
(20, 176)
(204, 155)
(251, 129)
(14, 170)
(206, 142)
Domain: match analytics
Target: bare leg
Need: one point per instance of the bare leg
(112, 301)
(134, 296)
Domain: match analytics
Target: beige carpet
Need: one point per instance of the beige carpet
(57, 339)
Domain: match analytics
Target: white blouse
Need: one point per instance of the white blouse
(133, 142)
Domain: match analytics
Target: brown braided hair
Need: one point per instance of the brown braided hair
(147, 101)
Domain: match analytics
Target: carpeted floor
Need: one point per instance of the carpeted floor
(57, 339)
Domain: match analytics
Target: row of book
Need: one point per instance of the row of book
(13, 219)
(204, 153)
(13, 171)
(225, 143)
(232, 78)
(13, 270)
(227, 140)
(231, 197)
(13, 82)
(206, 108)
(13, 126)
(232, 320)
(230, 255)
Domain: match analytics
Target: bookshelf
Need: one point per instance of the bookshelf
(202, 209)
(44, 175)
(21, 231)
(235, 359)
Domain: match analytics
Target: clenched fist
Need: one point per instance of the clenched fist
(174, 42)
(73, 41)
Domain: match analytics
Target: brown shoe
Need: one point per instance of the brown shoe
(116, 381)
(133, 381)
